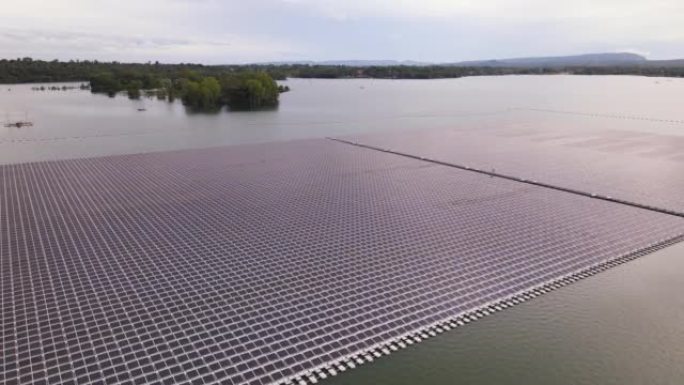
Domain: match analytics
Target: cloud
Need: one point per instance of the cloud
(636, 19)
(171, 30)
(576, 26)
(82, 45)
(525, 9)
(220, 31)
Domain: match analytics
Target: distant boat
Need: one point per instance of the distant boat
(142, 109)
(19, 124)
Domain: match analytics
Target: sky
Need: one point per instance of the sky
(246, 31)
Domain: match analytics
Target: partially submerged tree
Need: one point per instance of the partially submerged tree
(238, 90)
(203, 95)
(133, 89)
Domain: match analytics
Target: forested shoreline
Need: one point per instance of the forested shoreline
(209, 87)
(27, 70)
(199, 87)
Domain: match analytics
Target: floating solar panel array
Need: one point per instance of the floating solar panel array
(275, 263)
(633, 167)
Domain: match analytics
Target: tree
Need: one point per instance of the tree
(105, 83)
(250, 90)
(204, 95)
(191, 95)
(211, 92)
(133, 89)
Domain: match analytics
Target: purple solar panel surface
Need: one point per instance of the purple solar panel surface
(637, 167)
(252, 264)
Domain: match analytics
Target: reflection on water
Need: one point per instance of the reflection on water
(624, 326)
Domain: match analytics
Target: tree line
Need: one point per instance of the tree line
(199, 87)
(253, 86)
(446, 71)
(27, 70)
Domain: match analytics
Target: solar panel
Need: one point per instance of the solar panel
(636, 167)
(267, 263)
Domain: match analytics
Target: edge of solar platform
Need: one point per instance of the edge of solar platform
(533, 182)
(323, 371)
(163, 151)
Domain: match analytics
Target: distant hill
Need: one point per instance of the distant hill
(587, 60)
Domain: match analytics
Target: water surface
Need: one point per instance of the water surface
(76, 123)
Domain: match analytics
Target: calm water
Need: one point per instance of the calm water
(624, 326)
(76, 123)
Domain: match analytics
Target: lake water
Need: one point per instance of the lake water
(76, 123)
(624, 326)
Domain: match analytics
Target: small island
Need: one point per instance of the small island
(244, 91)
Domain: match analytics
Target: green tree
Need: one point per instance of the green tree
(191, 94)
(203, 95)
(133, 89)
(211, 92)
(105, 82)
(250, 90)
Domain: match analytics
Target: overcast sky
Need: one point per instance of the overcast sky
(239, 31)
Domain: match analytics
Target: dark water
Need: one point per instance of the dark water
(624, 326)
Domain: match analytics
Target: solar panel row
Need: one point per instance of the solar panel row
(257, 264)
(639, 168)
